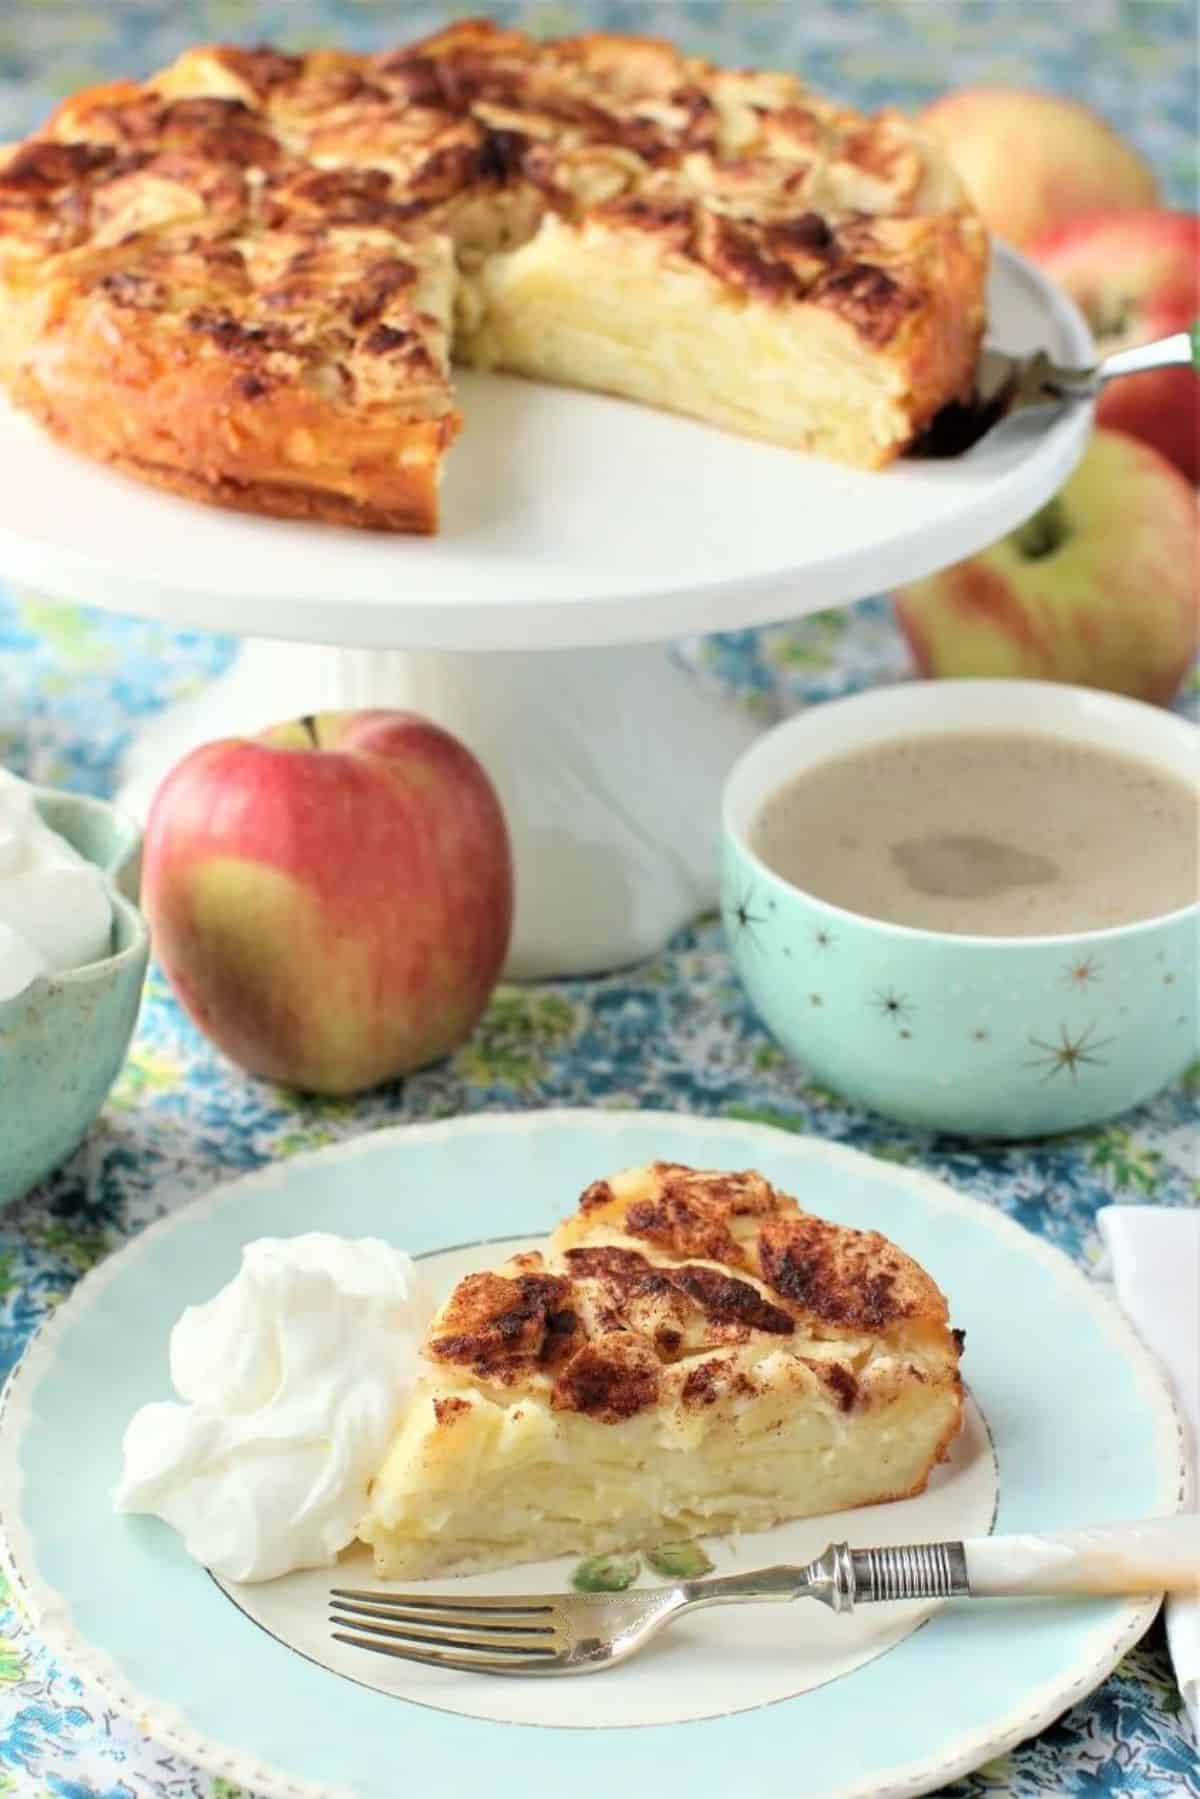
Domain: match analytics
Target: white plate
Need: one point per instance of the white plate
(791, 1654)
(570, 519)
(768, 1703)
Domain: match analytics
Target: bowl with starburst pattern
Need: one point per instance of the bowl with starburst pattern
(979, 1035)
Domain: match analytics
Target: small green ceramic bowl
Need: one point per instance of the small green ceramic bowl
(64, 1038)
(986, 1036)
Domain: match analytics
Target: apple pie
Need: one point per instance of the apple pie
(245, 279)
(691, 1354)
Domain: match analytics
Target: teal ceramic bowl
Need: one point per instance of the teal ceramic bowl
(985, 1036)
(64, 1038)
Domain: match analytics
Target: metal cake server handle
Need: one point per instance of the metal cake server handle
(1007, 384)
(1034, 379)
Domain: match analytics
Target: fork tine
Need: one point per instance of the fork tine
(432, 1620)
(441, 1602)
(477, 1664)
(445, 1639)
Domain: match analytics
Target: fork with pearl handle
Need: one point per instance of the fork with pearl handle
(584, 1633)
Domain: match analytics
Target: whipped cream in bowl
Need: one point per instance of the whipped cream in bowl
(73, 954)
(55, 909)
(291, 1384)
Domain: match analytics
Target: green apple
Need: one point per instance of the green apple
(1098, 589)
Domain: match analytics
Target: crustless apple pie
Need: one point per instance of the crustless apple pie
(245, 279)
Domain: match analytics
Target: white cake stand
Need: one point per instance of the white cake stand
(580, 533)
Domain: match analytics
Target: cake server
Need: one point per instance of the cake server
(1007, 384)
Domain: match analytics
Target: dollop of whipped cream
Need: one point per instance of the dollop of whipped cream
(294, 1379)
(55, 913)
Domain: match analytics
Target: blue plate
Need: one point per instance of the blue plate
(1084, 1432)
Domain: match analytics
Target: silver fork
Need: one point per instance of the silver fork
(583, 1633)
(1005, 384)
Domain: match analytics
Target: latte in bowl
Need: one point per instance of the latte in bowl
(973, 905)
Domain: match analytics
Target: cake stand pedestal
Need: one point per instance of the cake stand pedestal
(580, 535)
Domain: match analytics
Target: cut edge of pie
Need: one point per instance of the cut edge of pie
(690, 1355)
(245, 279)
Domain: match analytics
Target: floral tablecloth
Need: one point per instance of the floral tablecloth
(674, 1032)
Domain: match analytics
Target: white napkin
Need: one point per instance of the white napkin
(1155, 1254)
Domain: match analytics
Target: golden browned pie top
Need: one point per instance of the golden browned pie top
(272, 203)
(668, 1266)
(192, 214)
(244, 279)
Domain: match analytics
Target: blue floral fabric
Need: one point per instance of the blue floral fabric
(672, 1033)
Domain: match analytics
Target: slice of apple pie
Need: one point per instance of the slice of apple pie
(691, 1354)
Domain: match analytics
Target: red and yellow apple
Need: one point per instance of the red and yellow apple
(331, 900)
(1136, 276)
(1100, 588)
(1031, 160)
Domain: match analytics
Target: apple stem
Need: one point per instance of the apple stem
(1044, 533)
(309, 722)
(1110, 318)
